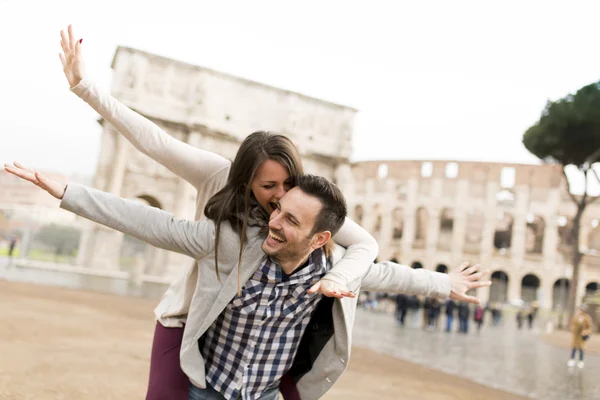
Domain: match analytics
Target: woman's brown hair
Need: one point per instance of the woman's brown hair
(233, 202)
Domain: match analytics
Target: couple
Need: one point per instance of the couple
(270, 304)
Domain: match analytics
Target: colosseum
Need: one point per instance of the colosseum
(511, 218)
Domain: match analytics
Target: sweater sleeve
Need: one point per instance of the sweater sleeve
(362, 249)
(192, 164)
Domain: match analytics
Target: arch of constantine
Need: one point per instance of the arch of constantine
(432, 214)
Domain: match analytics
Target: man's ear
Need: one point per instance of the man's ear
(319, 239)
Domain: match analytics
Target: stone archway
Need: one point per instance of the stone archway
(560, 294)
(529, 288)
(591, 288)
(441, 268)
(499, 288)
(177, 98)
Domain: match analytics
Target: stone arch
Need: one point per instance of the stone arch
(506, 198)
(503, 232)
(565, 240)
(591, 288)
(150, 200)
(359, 214)
(398, 223)
(134, 251)
(441, 268)
(529, 287)
(534, 237)
(123, 170)
(422, 218)
(416, 265)
(594, 238)
(474, 231)
(560, 294)
(446, 227)
(499, 288)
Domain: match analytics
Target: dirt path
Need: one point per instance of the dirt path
(66, 344)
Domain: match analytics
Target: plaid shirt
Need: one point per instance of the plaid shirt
(254, 340)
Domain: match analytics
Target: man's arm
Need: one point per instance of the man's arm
(388, 276)
(150, 224)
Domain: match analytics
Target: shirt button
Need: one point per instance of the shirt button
(328, 380)
(343, 360)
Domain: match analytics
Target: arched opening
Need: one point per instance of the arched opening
(503, 232)
(499, 288)
(474, 232)
(446, 226)
(565, 239)
(529, 288)
(416, 265)
(591, 288)
(594, 238)
(505, 198)
(560, 294)
(534, 238)
(420, 228)
(134, 253)
(441, 268)
(398, 221)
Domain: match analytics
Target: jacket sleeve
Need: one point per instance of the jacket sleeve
(150, 224)
(390, 277)
(188, 162)
(361, 250)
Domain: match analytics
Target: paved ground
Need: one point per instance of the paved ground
(65, 344)
(502, 357)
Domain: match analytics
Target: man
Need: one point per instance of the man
(243, 345)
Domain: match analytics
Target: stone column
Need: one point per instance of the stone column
(185, 207)
(459, 228)
(433, 229)
(410, 215)
(100, 246)
(489, 226)
(545, 292)
(385, 237)
(514, 287)
(517, 246)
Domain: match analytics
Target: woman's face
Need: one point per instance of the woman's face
(270, 184)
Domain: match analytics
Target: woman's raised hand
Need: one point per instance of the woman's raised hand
(49, 185)
(71, 56)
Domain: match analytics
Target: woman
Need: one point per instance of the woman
(581, 329)
(251, 185)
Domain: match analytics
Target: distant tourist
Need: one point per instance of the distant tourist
(581, 329)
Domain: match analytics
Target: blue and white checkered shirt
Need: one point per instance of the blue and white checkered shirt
(254, 340)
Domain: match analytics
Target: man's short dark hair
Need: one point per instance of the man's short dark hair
(334, 211)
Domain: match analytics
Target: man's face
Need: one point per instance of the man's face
(291, 225)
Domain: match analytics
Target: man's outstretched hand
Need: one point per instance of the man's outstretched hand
(465, 278)
(49, 185)
(330, 289)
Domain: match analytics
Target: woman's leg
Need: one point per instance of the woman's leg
(167, 380)
(581, 354)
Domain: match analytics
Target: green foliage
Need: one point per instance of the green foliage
(64, 239)
(568, 131)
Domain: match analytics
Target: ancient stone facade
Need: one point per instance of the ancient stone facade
(511, 218)
(431, 214)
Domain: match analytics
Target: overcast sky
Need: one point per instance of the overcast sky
(457, 80)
